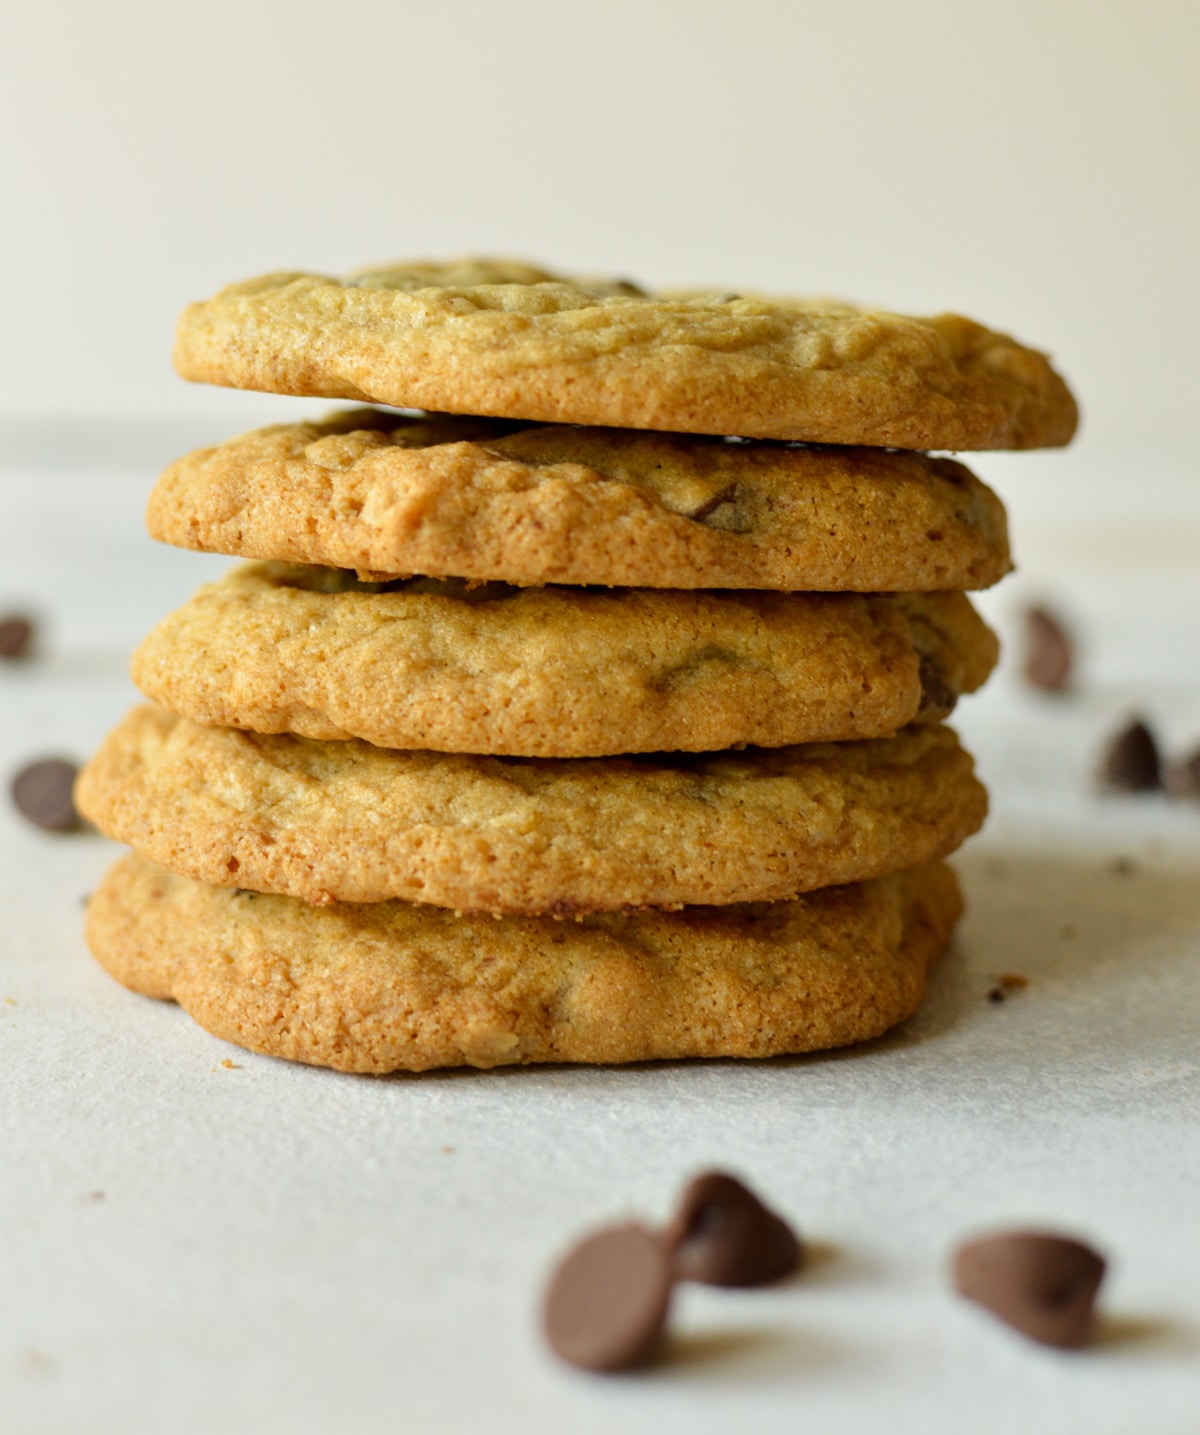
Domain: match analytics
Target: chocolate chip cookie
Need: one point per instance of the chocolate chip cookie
(391, 986)
(392, 495)
(558, 672)
(345, 821)
(514, 341)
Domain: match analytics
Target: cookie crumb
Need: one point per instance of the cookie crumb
(1006, 982)
(228, 1065)
(35, 1362)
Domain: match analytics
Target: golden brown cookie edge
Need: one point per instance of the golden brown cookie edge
(265, 980)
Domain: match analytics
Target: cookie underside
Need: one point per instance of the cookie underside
(392, 987)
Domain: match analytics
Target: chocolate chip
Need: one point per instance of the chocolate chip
(607, 1302)
(16, 634)
(42, 792)
(1042, 1285)
(1132, 763)
(937, 696)
(723, 1235)
(1050, 653)
(1184, 777)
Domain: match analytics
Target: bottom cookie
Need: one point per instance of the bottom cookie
(388, 986)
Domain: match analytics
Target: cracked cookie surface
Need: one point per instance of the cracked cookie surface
(557, 672)
(345, 821)
(513, 341)
(389, 986)
(392, 495)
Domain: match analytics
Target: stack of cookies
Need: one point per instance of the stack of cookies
(584, 703)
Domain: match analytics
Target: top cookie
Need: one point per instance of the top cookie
(512, 341)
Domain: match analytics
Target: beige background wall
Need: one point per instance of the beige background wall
(1035, 164)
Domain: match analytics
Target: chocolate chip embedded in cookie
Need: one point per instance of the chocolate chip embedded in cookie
(557, 672)
(390, 495)
(525, 344)
(389, 986)
(345, 821)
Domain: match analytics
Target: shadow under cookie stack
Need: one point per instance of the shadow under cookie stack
(588, 711)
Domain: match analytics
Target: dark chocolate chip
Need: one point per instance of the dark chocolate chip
(1042, 1285)
(937, 696)
(42, 792)
(723, 1235)
(1183, 779)
(1050, 653)
(607, 1302)
(16, 634)
(1131, 762)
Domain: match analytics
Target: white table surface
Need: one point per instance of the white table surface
(195, 1238)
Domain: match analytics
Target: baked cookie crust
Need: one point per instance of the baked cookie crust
(345, 821)
(392, 495)
(392, 987)
(557, 672)
(513, 341)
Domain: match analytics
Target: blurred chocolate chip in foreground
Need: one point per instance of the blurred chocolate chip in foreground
(42, 792)
(1042, 1285)
(723, 1235)
(607, 1301)
(1049, 651)
(1131, 760)
(16, 635)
